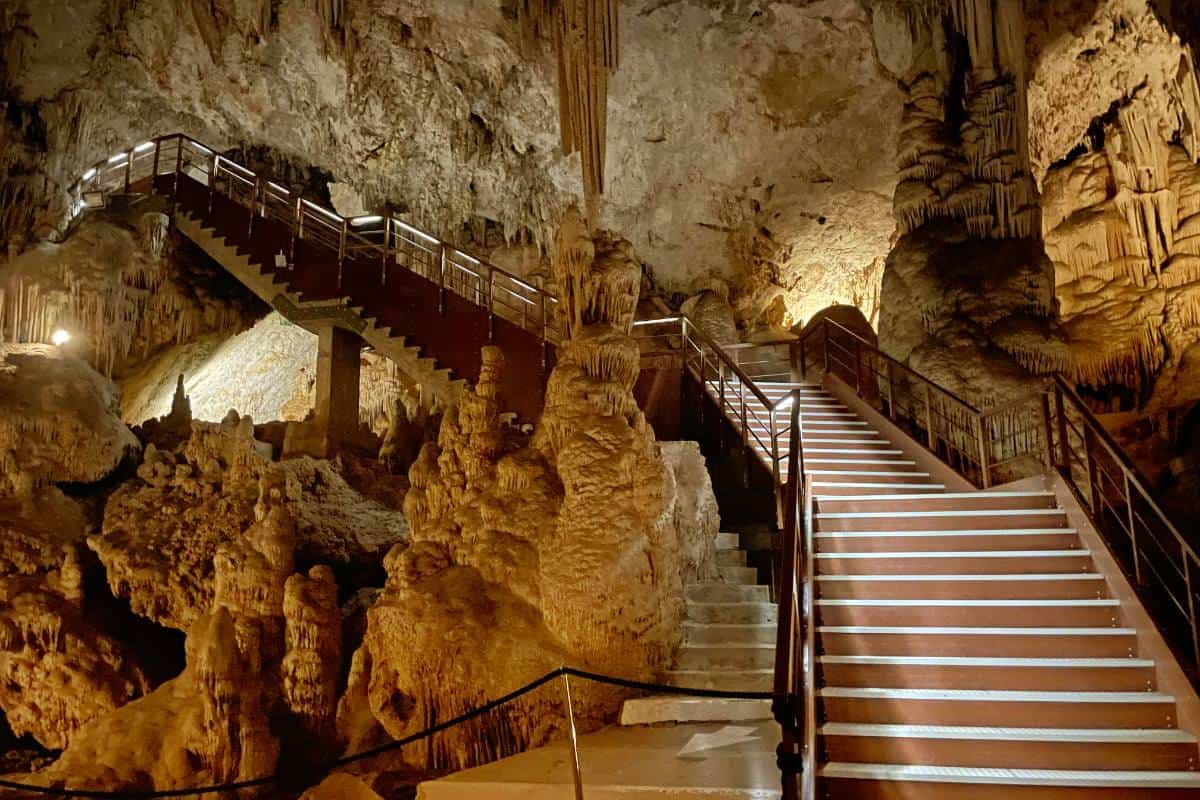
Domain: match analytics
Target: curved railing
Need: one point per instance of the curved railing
(392, 241)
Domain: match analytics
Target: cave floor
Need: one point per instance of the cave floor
(719, 761)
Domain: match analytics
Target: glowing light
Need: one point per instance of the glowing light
(415, 231)
(277, 187)
(60, 337)
(366, 220)
(91, 173)
(143, 147)
(656, 321)
(117, 157)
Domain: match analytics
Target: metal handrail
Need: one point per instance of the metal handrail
(345, 235)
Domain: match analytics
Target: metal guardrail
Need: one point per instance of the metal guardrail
(392, 241)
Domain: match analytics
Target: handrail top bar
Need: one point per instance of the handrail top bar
(742, 376)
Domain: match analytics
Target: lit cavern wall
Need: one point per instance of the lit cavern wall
(768, 161)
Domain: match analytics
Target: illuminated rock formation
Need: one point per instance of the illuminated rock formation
(572, 547)
(162, 529)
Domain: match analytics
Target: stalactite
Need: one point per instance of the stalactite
(585, 34)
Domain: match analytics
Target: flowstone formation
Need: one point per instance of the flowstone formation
(262, 658)
(60, 667)
(163, 528)
(968, 293)
(571, 547)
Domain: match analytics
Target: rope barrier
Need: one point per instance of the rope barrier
(492, 705)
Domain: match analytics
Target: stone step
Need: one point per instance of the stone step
(714, 592)
(724, 633)
(733, 613)
(729, 680)
(746, 576)
(675, 708)
(731, 558)
(725, 656)
(727, 541)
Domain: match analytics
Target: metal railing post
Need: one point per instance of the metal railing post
(178, 167)
(342, 250)
(214, 165)
(491, 304)
(891, 384)
(442, 278)
(859, 383)
(775, 471)
(1191, 597)
(1047, 433)
(545, 323)
(929, 432)
(299, 228)
(128, 168)
(748, 451)
(984, 453)
(576, 770)
(253, 204)
(387, 243)
(1133, 544)
(154, 168)
(1064, 445)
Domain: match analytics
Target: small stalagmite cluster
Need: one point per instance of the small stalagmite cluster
(569, 547)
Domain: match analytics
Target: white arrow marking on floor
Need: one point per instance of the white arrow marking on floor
(730, 734)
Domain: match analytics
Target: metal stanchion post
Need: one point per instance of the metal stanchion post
(576, 772)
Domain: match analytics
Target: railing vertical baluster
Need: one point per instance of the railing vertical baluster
(154, 168)
(1064, 444)
(546, 322)
(254, 204)
(178, 167)
(387, 243)
(299, 227)
(745, 420)
(825, 335)
(214, 166)
(1047, 433)
(1093, 470)
(342, 251)
(891, 384)
(929, 432)
(442, 278)
(860, 384)
(1133, 543)
(128, 169)
(775, 473)
(491, 304)
(984, 451)
(803, 358)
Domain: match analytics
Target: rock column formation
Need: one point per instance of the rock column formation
(569, 547)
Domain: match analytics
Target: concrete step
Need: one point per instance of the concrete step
(976, 540)
(727, 541)
(731, 558)
(747, 576)
(826, 489)
(1089, 612)
(725, 633)
(894, 475)
(997, 707)
(1021, 586)
(862, 781)
(675, 709)
(725, 656)
(733, 613)
(730, 680)
(1008, 641)
(713, 592)
(949, 672)
(953, 562)
(630, 763)
(945, 501)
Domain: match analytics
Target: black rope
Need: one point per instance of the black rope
(492, 705)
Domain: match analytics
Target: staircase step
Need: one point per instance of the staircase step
(1092, 612)
(1024, 586)
(675, 708)
(746, 576)
(732, 613)
(731, 558)
(860, 466)
(953, 562)
(917, 541)
(826, 489)
(945, 501)
(939, 520)
(1011, 747)
(726, 633)
(862, 781)
(728, 541)
(713, 592)
(842, 475)
(725, 656)
(997, 707)
(729, 680)
(1006, 641)
(950, 672)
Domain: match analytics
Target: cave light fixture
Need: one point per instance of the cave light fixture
(657, 321)
(143, 147)
(91, 173)
(367, 220)
(60, 337)
(277, 187)
(119, 157)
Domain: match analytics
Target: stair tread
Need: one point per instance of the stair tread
(1006, 775)
(935, 534)
(958, 554)
(1020, 576)
(934, 630)
(1082, 602)
(993, 733)
(956, 496)
(991, 661)
(975, 512)
(993, 695)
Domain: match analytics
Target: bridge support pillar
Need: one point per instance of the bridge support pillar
(337, 387)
